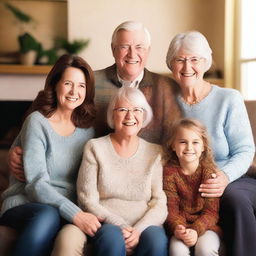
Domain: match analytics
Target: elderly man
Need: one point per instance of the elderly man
(130, 47)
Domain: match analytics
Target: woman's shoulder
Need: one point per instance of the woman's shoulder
(36, 115)
(226, 97)
(89, 132)
(34, 125)
(35, 119)
(95, 142)
(226, 92)
(148, 146)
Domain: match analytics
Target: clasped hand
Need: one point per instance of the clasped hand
(187, 235)
(131, 237)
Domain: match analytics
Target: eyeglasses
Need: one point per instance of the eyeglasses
(127, 47)
(192, 61)
(124, 111)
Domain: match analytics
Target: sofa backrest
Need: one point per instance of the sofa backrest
(251, 109)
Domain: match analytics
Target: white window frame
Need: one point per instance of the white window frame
(235, 64)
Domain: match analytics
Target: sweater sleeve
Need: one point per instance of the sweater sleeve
(157, 210)
(87, 190)
(240, 140)
(17, 141)
(209, 215)
(38, 185)
(174, 217)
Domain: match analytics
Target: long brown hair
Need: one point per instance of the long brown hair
(46, 100)
(206, 159)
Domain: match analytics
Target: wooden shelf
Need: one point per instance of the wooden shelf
(22, 69)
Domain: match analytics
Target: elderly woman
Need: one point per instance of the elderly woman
(52, 138)
(224, 114)
(120, 181)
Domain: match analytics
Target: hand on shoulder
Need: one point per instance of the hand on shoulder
(215, 186)
(15, 163)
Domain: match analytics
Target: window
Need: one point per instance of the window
(245, 48)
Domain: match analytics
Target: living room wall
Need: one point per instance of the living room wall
(97, 19)
(164, 18)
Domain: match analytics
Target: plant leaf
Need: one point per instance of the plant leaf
(21, 16)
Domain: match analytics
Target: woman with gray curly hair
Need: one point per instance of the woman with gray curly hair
(120, 181)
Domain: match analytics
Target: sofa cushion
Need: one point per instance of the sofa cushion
(7, 238)
(4, 175)
(251, 109)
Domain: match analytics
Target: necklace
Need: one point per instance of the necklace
(196, 101)
(204, 92)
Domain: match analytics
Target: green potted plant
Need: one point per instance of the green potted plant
(28, 45)
(71, 47)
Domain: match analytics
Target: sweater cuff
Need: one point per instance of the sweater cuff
(229, 174)
(68, 210)
(199, 229)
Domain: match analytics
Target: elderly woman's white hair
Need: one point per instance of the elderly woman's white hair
(132, 26)
(192, 42)
(133, 96)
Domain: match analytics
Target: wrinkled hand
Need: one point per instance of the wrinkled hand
(87, 222)
(131, 237)
(190, 237)
(15, 163)
(215, 186)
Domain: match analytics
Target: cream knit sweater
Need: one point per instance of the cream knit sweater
(123, 191)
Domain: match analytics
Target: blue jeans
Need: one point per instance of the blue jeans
(37, 225)
(109, 241)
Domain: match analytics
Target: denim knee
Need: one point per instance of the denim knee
(153, 242)
(48, 214)
(109, 241)
(39, 232)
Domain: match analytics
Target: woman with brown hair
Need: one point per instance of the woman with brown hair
(52, 139)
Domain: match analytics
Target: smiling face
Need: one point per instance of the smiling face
(188, 146)
(130, 51)
(188, 69)
(127, 118)
(71, 89)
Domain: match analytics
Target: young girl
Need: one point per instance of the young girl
(192, 219)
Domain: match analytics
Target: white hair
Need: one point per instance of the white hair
(133, 96)
(192, 42)
(132, 26)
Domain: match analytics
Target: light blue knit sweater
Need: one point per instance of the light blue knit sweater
(51, 164)
(224, 114)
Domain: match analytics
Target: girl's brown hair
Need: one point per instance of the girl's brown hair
(206, 159)
(46, 100)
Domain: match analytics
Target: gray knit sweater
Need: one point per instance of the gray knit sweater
(51, 163)
(123, 191)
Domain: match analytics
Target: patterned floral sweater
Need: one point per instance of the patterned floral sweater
(185, 204)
